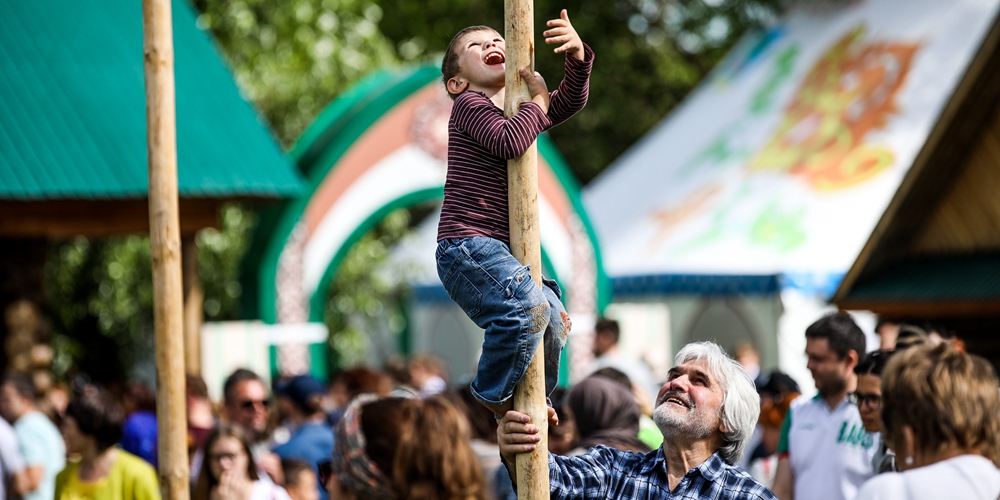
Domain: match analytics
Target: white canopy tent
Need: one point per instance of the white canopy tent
(769, 179)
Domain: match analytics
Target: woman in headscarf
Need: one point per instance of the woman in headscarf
(607, 414)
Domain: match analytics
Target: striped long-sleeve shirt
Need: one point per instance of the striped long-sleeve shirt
(480, 141)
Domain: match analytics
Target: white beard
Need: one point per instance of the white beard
(677, 422)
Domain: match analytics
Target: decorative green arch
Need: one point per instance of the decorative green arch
(318, 152)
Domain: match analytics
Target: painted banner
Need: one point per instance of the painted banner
(785, 158)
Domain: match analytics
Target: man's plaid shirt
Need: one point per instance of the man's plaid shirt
(609, 473)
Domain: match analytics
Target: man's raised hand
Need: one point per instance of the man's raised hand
(516, 434)
(563, 33)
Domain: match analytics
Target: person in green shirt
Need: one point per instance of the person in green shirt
(92, 427)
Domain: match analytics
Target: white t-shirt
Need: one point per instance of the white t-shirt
(266, 490)
(829, 450)
(965, 477)
(11, 461)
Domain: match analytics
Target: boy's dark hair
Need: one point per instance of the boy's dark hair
(449, 66)
(841, 332)
(292, 469)
(609, 326)
(873, 364)
(97, 415)
(240, 375)
(22, 384)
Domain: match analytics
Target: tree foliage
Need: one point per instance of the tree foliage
(292, 57)
(649, 55)
(100, 295)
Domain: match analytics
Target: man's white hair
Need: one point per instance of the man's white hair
(740, 401)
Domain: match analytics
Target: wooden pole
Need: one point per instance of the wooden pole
(165, 243)
(194, 306)
(525, 242)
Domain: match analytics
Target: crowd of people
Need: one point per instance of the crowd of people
(920, 419)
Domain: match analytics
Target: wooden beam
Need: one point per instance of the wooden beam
(525, 241)
(924, 309)
(947, 145)
(194, 306)
(165, 244)
(58, 219)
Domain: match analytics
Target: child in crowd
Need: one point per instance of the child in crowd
(474, 260)
(300, 480)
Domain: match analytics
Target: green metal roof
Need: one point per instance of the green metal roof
(973, 277)
(73, 112)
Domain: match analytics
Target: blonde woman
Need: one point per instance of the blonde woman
(941, 415)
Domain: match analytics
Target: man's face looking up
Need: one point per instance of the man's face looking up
(688, 406)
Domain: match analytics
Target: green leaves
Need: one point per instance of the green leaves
(649, 55)
(292, 57)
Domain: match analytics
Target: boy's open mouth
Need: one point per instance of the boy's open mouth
(493, 58)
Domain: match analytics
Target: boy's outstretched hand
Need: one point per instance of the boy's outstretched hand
(562, 32)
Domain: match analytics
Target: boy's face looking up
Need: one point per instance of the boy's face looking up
(481, 56)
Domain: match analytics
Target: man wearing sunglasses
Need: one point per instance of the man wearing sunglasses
(244, 405)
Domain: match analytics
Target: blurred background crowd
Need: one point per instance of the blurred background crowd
(301, 439)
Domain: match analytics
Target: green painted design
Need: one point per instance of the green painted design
(570, 184)
(763, 99)
(718, 225)
(317, 301)
(351, 123)
(777, 228)
(721, 150)
(319, 150)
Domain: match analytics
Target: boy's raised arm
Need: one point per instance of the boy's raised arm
(573, 91)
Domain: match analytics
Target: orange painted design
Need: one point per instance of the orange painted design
(669, 219)
(849, 93)
(387, 135)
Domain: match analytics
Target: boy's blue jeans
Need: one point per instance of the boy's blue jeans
(498, 294)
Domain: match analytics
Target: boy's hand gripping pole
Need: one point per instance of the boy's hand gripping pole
(525, 242)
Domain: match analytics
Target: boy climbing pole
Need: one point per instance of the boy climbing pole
(474, 260)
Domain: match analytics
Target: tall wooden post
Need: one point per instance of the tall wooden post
(194, 306)
(525, 242)
(165, 243)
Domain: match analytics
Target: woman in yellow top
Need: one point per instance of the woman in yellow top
(92, 427)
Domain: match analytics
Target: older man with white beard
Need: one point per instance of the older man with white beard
(707, 411)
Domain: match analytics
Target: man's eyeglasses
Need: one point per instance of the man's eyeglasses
(250, 404)
(874, 401)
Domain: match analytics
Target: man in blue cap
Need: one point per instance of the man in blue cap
(300, 400)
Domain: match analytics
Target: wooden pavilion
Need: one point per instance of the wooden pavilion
(73, 154)
(935, 253)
